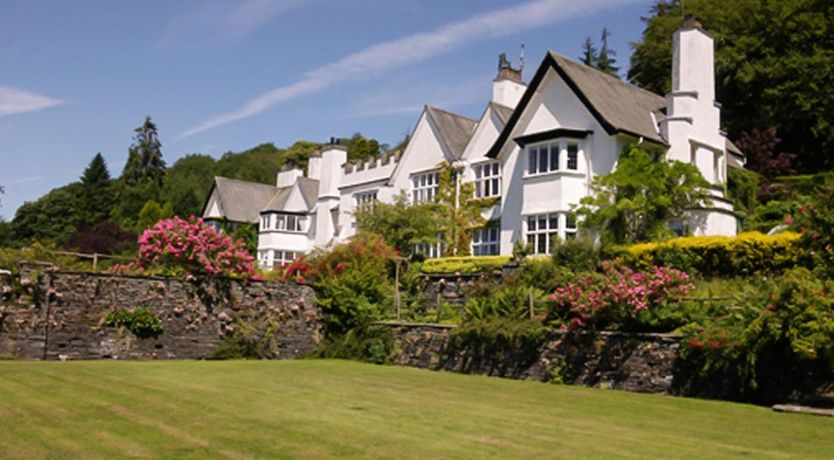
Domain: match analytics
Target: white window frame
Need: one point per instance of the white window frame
(424, 186)
(565, 228)
(434, 250)
(365, 199)
(486, 241)
(266, 221)
(283, 222)
(284, 257)
(487, 179)
(560, 156)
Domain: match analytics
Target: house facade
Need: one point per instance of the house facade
(536, 147)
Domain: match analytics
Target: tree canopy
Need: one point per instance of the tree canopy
(774, 68)
(144, 160)
(636, 201)
(604, 59)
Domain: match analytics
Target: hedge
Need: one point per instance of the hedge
(747, 253)
(469, 264)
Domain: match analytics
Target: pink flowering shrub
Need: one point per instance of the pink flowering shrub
(176, 246)
(616, 298)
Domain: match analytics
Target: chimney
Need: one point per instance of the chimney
(289, 172)
(507, 87)
(693, 118)
(693, 60)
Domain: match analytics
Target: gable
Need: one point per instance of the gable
(487, 131)
(423, 152)
(616, 106)
(213, 208)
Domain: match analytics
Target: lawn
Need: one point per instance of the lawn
(337, 409)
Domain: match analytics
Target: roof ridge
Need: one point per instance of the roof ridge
(245, 181)
(600, 72)
(431, 107)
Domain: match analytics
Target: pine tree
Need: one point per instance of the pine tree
(144, 161)
(589, 53)
(96, 199)
(606, 60)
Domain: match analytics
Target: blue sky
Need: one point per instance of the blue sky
(219, 75)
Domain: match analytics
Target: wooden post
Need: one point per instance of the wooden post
(95, 261)
(530, 304)
(397, 286)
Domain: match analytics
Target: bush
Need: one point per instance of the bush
(815, 221)
(617, 298)
(352, 280)
(744, 254)
(464, 265)
(578, 255)
(512, 343)
(175, 246)
(142, 322)
(785, 346)
(370, 344)
(512, 301)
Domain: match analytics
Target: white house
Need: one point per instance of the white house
(535, 146)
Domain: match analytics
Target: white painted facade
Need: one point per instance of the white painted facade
(574, 133)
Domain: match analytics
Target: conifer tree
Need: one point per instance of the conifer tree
(606, 60)
(589, 53)
(96, 196)
(144, 161)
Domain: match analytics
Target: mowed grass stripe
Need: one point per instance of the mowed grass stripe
(335, 409)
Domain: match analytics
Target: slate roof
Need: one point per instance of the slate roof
(618, 106)
(502, 111)
(623, 107)
(454, 130)
(242, 201)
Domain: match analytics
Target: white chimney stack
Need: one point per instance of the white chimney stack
(288, 174)
(507, 87)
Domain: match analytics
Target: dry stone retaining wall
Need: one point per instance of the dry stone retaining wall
(631, 362)
(47, 314)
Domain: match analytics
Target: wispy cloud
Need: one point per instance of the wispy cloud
(411, 49)
(409, 97)
(15, 100)
(26, 180)
(224, 22)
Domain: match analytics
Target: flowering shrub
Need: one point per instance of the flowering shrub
(815, 221)
(352, 280)
(176, 245)
(617, 297)
(785, 345)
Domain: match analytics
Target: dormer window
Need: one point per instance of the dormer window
(283, 222)
(559, 155)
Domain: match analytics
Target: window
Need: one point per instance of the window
(542, 159)
(424, 187)
(541, 229)
(570, 226)
(573, 157)
(487, 179)
(263, 258)
(485, 241)
(364, 199)
(433, 250)
(284, 257)
(266, 221)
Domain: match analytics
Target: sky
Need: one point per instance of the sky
(226, 75)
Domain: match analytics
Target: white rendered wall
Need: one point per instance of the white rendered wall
(423, 153)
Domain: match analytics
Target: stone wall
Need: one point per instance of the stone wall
(47, 314)
(632, 362)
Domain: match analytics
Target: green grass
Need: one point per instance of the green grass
(337, 409)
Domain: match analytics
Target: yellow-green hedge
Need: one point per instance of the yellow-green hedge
(469, 264)
(744, 254)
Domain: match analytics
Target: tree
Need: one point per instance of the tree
(402, 224)
(152, 213)
(774, 68)
(144, 161)
(589, 52)
(96, 195)
(606, 60)
(130, 201)
(187, 183)
(360, 148)
(51, 218)
(103, 237)
(458, 210)
(636, 202)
